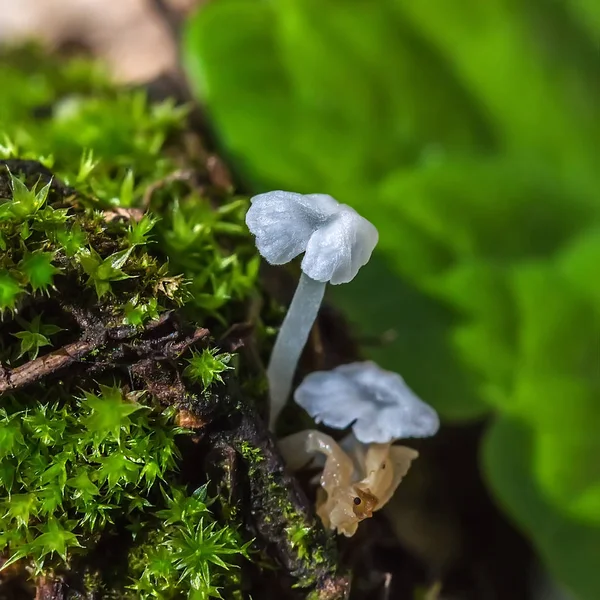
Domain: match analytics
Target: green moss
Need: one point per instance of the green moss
(250, 453)
(34, 231)
(72, 466)
(308, 543)
(188, 549)
(114, 149)
(206, 367)
(87, 461)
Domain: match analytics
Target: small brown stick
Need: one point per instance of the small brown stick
(175, 349)
(34, 370)
(185, 175)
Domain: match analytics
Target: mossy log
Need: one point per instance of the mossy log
(120, 318)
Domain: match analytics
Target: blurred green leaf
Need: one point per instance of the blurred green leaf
(570, 549)
(323, 102)
(403, 329)
(587, 13)
(579, 264)
(557, 386)
(532, 71)
(494, 208)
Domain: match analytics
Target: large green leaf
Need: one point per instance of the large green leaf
(557, 378)
(326, 93)
(403, 329)
(260, 82)
(587, 13)
(530, 67)
(569, 549)
(496, 208)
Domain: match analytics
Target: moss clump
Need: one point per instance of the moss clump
(122, 261)
(70, 467)
(117, 151)
(88, 457)
(251, 454)
(202, 550)
(206, 367)
(55, 244)
(80, 467)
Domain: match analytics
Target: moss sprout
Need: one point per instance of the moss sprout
(206, 366)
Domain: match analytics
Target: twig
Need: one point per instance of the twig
(168, 347)
(34, 370)
(185, 175)
(175, 349)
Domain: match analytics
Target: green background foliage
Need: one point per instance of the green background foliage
(470, 136)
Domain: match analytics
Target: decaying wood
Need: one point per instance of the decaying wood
(50, 589)
(269, 494)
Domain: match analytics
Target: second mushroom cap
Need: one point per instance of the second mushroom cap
(377, 403)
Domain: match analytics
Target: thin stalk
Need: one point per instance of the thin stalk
(291, 340)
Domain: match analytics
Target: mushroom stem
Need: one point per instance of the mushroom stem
(291, 340)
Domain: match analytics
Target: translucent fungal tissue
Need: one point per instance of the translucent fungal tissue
(354, 483)
(336, 242)
(377, 403)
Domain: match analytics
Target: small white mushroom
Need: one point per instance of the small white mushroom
(377, 403)
(336, 242)
(355, 482)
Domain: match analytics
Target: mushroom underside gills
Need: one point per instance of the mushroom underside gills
(291, 340)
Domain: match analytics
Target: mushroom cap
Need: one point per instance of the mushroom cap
(336, 240)
(377, 403)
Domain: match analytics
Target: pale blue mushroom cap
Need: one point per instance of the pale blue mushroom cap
(336, 240)
(377, 403)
